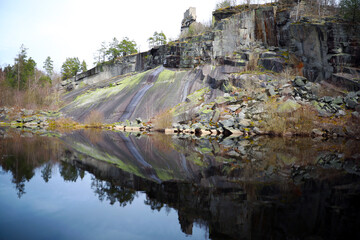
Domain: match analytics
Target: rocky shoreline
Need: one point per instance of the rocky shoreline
(299, 105)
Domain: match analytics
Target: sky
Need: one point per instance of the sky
(76, 28)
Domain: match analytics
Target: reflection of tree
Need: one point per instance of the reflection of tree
(154, 204)
(70, 173)
(22, 155)
(46, 172)
(109, 191)
(21, 170)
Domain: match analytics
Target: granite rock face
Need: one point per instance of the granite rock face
(269, 36)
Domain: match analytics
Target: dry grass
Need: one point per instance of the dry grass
(94, 119)
(163, 120)
(297, 122)
(64, 124)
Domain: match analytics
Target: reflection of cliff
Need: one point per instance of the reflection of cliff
(265, 188)
(141, 156)
(326, 208)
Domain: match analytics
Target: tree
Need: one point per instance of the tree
(100, 55)
(225, 4)
(127, 47)
(22, 72)
(350, 9)
(48, 66)
(70, 67)
(113, 51)
(83, 66)
(157, 39)
(19, 63)
(120, 49)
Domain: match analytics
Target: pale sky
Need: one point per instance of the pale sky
(76, 28)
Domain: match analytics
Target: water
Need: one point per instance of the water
(106, 185)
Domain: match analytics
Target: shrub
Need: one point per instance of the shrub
(94, 119)
(163, 120)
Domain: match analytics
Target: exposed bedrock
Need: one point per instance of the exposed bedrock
(243, 38)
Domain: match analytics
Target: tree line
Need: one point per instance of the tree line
(23, 74)
(110, 51)
(24, 84)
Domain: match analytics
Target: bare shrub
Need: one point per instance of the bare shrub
(163, 120)
(94, 119)
(36, 97)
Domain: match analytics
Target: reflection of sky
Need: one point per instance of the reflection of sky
(71, 210)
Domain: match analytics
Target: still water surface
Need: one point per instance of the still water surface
(106, 185)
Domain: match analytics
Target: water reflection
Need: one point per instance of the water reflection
(112, 193)
(265, 188)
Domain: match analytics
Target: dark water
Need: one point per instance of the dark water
(107, 185)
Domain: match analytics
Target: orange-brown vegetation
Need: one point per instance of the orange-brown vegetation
(163, 120)
(298, 122)
(94, 119)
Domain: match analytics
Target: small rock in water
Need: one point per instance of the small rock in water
(317, 132)
(138, 120)
(257, 130)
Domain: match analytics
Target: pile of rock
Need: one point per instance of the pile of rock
(326, 105)
(27, 117)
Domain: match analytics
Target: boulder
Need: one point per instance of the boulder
(245, 122)
(227, 123)
(233, 108)
(327, 99)
(338, 100)
(350, 102)
(270, 90)
(272, 64)
(299, 81)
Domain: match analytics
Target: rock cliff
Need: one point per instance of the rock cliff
(261, 40)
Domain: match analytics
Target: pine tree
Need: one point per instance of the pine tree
(48, 66)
